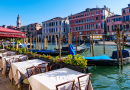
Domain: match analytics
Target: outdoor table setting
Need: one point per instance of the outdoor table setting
(22, 66)
(8, 52)
(9, 59)
(49, 80)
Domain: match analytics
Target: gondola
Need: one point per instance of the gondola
(108, 61)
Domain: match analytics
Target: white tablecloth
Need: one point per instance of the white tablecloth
(9, 52)
(7, 58)
(21, 66)
(49, 80)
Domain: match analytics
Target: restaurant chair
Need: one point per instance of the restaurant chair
(46, 64)
(3, 55)
(38, 70)
(55, 66)
(69, 85)
(83, 82)
(8, 65)
(29, 71)
(25, 81)
(23, 58)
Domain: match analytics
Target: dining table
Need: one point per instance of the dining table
(22, 66)
(9, 59)
(49, 80)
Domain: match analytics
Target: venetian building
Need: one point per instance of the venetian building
(18, 22)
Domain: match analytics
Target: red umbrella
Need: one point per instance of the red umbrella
(9, 33)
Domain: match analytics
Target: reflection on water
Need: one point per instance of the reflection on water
(110, 78)
(106, 77)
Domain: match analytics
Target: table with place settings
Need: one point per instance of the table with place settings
(49, 80)
(9, 59)
(21, 66)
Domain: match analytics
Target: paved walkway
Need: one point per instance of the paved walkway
(5, 83)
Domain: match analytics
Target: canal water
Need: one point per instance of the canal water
(106, 77)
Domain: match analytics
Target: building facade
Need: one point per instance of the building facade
(52, 27)
(31, 29)
(112, 22)
(90, 19)
(126, 18)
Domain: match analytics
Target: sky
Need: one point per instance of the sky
(37, 11)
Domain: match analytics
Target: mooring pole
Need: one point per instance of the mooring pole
(33, 42)
(41, 42)
(68, 39)
(79, 39)
(92, 45)
(90, 41)
(36, 42)
(51, 41)
(117, 41)
(71, 36)
(76, 42)
(59, 43)
(56, 43)
(120, 47)
(123, 39)
(62, 41)
(104, 43)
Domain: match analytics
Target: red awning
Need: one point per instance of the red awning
(6, 33)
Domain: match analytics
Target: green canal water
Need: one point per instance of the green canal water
(107, 77)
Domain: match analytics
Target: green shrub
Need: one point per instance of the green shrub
(13, 49)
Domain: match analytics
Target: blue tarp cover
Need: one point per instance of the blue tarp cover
(45, 51)
(125, 53)
(97, 57)
(71, 50)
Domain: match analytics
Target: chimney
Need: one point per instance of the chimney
(104, 7)
(129, 5)
(109, 9)
(88, 9)
(97, 6)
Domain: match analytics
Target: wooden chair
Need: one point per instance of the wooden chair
(29, 71)
(55, 66)
(46, 64)
(8, 65)
(39, 69)
(69, 85)
(25, 81)
(83, 82)
(23, 58)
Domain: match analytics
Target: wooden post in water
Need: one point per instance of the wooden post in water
(117, 43)
(51, 41)
(79, 39)
(59, 43)
(31, 42)
(90, 41)
(62, 41)
(68, 38)
(122, 39)
(36, 42)
(56, 43)
(71, 37)
(46, 43)
(120, 48)
(92, 45)
(41, 42)
(104, 43)
(76, 42)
